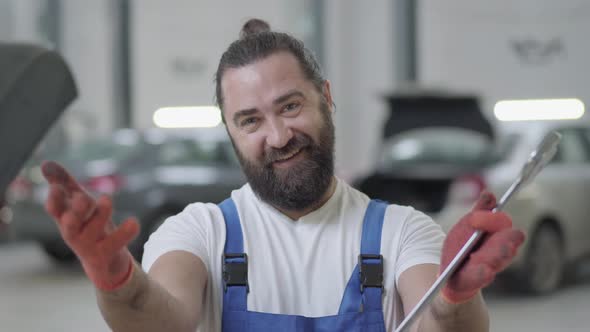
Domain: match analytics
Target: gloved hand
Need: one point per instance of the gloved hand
(493, 254)
(85, 225)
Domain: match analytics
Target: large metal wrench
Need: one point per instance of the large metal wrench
(536, 162)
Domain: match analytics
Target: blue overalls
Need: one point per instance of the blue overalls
(361, 306)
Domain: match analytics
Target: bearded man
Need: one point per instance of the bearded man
(296, 248)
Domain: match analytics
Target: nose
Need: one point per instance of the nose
(279, 134)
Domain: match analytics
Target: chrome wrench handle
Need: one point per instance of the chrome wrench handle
(537, 160)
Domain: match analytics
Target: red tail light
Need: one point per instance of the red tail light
(466, 189)
(20, 188)
(106, 184)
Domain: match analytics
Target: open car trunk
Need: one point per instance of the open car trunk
(426, 195)
(424, 184)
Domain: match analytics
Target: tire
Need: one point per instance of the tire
(544, 261)
(154, 225)
(146, 230)
(59, 252)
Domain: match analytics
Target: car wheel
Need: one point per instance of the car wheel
(58, 251)
(158, 222)
(137, 246)
(544, 263)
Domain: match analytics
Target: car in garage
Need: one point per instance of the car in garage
(553, 210)
(428, 141)
(438, 155)
(150, 174)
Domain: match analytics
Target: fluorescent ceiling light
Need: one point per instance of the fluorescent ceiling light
(539, 109)
(187, 117)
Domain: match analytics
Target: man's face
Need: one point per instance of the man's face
(282, 130)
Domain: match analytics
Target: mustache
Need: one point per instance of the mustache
(298, 142)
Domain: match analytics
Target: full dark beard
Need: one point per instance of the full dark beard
(303, 185)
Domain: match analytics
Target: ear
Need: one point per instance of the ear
(327, 93)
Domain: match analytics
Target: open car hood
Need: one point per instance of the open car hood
(419, 110)
(36, 86)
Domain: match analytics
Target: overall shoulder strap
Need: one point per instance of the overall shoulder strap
(234, 242)
(372, 225)
(234, 261)
(365, 287)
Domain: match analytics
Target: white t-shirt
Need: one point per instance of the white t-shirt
(298, 267)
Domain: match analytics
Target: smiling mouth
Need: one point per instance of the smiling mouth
(288, 156)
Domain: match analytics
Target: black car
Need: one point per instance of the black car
(150, 174)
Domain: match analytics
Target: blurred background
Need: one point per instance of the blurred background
(435, 102)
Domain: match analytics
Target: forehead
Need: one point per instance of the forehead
(259, 83)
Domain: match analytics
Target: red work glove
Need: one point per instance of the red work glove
(85, 225)
(494, 253)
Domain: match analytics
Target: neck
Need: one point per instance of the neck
(296, 214)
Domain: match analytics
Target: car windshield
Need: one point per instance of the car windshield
(130, 148)
(440, 145)
(184, 152)
(120, 146)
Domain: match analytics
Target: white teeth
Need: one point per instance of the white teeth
(288, 156)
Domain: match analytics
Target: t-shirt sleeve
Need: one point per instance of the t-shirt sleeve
(186, 231)
(420, 241)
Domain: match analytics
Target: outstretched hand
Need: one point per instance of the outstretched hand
(494, 253)
(86, 227)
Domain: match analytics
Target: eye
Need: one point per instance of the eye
(248, 122)
(291, 107)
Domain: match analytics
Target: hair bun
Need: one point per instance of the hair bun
(254, 26)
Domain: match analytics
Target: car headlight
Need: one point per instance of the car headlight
(6, 215)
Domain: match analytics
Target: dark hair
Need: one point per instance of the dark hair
(257, 42)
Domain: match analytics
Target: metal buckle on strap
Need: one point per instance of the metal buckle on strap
(371, 274)
(235, 273)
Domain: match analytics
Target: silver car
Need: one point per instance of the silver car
(150, 175)
(553, 210)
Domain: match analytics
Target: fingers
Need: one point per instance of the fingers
(83, 205)
(489, 221)
(486, 201)
(472, 278)
(122, 235)
(70, 213)
(499, 249)
(54, 173)
(56, 201)
(494, 255)
(70, 226)
(95, 229)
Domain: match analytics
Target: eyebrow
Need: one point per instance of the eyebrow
(287, 96)
(243, 113)
(249, 111)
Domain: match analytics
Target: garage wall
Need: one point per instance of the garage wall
(506, 49)
(87, 42)
(176, 47)
(360, 63)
